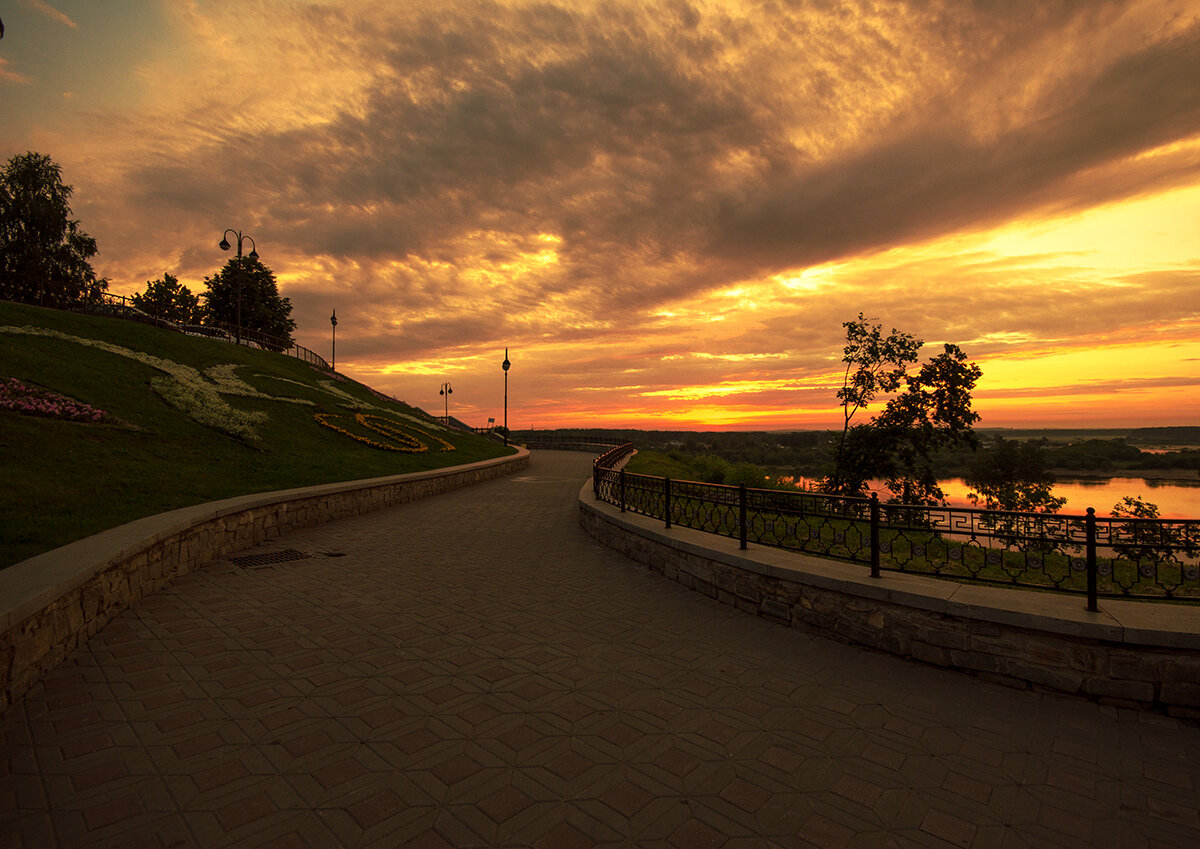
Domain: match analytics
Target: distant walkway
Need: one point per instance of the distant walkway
(473, 670)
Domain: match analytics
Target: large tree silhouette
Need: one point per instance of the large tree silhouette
(261, 310)
(44, 255)
(168, 298)
(931, 412)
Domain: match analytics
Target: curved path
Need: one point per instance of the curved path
(473, 670)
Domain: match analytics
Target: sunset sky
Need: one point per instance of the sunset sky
(664, 210)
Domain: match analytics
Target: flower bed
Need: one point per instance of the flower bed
(35, 401)
(395, 435)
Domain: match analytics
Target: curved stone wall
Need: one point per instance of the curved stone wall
(1130, 653)
(51, 603)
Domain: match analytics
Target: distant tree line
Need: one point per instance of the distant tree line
(45, 259)
(810, 453)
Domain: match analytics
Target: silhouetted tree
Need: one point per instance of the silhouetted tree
(167, 298)
(1012, 475)
(932, 413)
(874, 363)
(262, 309)
(1145, 536)
(44, 256)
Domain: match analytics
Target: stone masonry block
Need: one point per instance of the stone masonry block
(929, 654)
(1064, 680)
(1185, 693)
(944, 637)
(997, 645)
(1087, 657)
(774, 609)
(749, 590)
(976, 661)
(1134, 691)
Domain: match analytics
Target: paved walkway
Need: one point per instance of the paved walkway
(473, 670)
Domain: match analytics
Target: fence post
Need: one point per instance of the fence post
(596, 479)
(1090, 525)
(667, 500)
(742, 513)
(874, 535)
(622, 473)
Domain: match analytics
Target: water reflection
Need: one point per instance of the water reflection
(1176, 499)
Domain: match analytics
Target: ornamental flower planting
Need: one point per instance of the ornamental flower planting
(183, 387)
(198, 394)
(34, 401)
(407, 444)
(394, 435)
(392, 429)
(446, 446)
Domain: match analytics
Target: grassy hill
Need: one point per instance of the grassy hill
(103, 421)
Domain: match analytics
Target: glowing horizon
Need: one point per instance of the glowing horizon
(663, 211)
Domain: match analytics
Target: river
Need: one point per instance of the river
(1176, 499)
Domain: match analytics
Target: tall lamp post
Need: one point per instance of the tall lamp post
(505, 365)
(333, 355)
(445, 392)
(224, 245)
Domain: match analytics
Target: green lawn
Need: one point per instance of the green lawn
(64, 480)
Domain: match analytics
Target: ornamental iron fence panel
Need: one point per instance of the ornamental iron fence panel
(1088, 555)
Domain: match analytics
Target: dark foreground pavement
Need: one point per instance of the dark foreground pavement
(473, 670)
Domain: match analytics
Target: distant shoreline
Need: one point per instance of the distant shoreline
(1144, 474)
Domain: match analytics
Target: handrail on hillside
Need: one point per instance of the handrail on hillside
(121, 306)
(1083, 554)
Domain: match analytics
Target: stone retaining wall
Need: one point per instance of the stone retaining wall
(51, 603)
(1134, 654)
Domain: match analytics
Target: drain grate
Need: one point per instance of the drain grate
(268, 558)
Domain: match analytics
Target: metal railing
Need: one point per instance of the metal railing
(121, 306)
(562, 442)
(1113, 557)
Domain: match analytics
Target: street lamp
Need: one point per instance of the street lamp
(445, 392)
(333, 355)
(224, 245)
(505, 365)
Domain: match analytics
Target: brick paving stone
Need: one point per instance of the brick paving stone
(517, 684)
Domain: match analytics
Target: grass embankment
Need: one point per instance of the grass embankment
(189, 420)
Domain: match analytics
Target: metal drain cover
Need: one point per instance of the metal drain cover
(268, 558)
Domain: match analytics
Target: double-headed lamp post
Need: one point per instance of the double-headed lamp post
(445, 392)
(333, 354)
(505, 365)
(224, 245)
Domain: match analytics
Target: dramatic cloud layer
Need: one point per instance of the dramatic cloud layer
(664, 210)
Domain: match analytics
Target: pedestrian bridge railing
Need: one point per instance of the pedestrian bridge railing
(1085, 554)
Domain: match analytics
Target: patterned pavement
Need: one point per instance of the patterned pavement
(473, 670)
